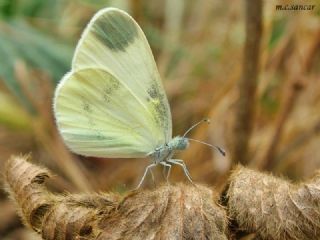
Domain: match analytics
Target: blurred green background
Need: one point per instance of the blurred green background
(198, 47)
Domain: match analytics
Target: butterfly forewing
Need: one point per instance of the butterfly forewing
(112, 103)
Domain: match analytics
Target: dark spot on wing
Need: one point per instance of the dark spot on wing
(111, 86)
(86, 107)
(160, 113)
(88, 111)
(153, 91)
(99, 135)
(157, 99)
(115, 30)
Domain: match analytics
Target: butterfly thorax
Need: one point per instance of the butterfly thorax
(166, 151)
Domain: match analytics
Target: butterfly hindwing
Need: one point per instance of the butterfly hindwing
(98, 116)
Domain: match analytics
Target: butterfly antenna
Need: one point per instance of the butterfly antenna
(196, 124)
(220, 150)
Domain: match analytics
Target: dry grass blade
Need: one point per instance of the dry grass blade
(168, 212)
(272, 207)
(297, 83)
(290, 101)
(299, 142)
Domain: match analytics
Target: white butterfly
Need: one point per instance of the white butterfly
(112, 103)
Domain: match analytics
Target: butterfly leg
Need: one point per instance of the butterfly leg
(145, 174)
(169, 170)
(164, 174)
(183, 165)
(152, 176)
